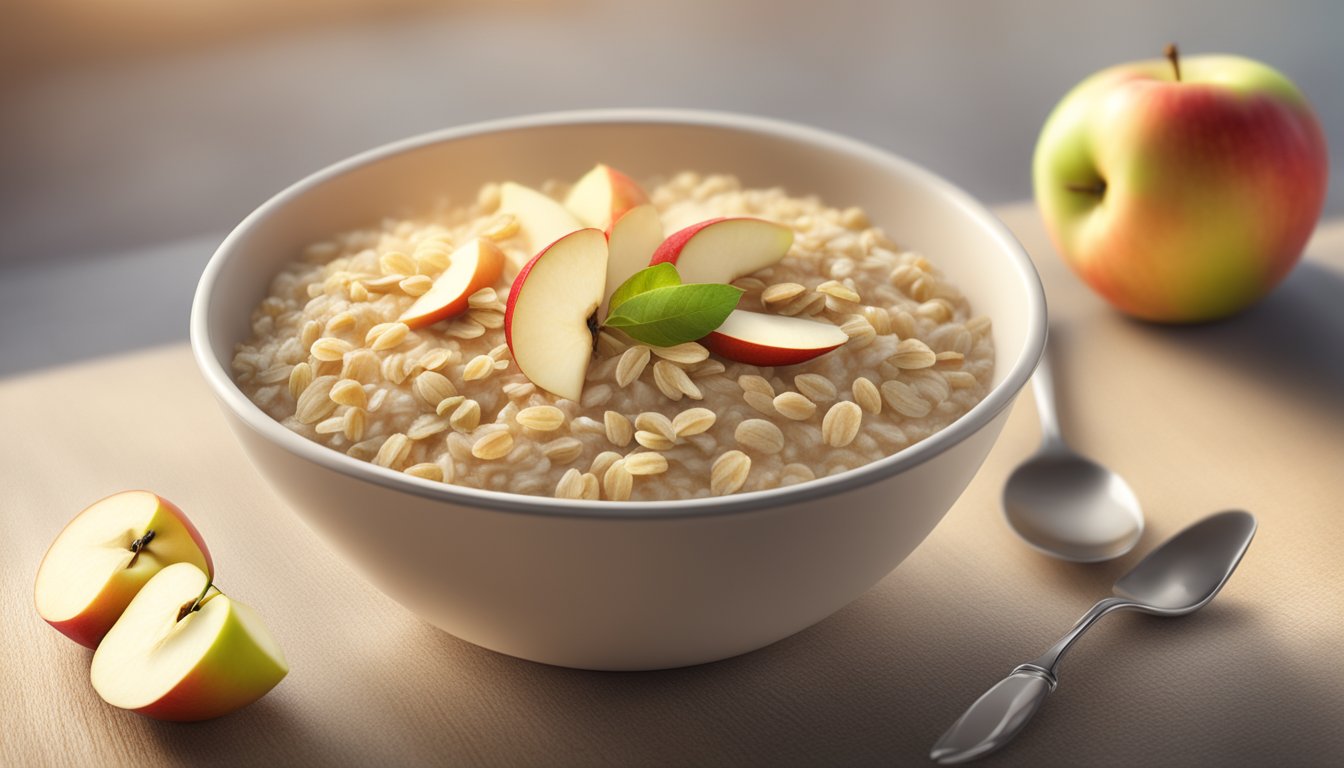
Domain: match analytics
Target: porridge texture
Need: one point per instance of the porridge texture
(329, 360)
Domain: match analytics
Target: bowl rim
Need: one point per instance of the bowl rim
(998, 398)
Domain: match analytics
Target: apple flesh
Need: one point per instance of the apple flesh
(551, 305)
(770, 340)
(1181, 190)
(105, 555)
(164, 660)
(631, 243)
(603, 196)
(722, 250)
(474, 266)
(541, 220)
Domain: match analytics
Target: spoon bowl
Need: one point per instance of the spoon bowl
(1070, 507)
(1184, 574)
(1064, 504)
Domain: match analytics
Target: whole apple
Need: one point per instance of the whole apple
(1181, 190)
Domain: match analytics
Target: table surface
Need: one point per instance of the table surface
(1247, 413)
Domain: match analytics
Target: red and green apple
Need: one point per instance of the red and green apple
(1184, 189)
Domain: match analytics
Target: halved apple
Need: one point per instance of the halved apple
(761, 339)
(602, 197)
(475, 265)
(541, 219)
(185, 651)
(549, 320)
(631, 242)
(105, 555)
(722, 250)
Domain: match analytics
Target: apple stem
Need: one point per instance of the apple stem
(1174, 56)
(143, 541)
(195, 604)
(1097, 188)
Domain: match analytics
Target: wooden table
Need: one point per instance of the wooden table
(1247, 413)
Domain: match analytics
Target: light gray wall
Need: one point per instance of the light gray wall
(116, 156)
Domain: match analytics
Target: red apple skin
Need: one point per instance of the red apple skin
(89, 627)
(1214, 184)
(619, 194)
(724, 265)
(756, 354)
(205, 693)
(515, 289)
(201, 695)
(625, 194)
(670, 249)
(490, 266)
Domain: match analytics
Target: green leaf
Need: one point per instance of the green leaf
(667, 316)
(647, 279)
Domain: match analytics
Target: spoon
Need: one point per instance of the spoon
(1177, 578)
(1064, 504)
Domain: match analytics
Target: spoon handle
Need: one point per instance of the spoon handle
(995, 718)
(1043, 387)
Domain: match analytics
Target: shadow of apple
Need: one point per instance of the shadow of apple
(1293, 340)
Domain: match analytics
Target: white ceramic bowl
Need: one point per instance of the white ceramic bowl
(636, 585)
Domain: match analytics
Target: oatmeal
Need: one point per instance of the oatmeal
(330, 359)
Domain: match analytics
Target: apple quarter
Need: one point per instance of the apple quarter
(164, 660)
(104, 556)
(466, 400)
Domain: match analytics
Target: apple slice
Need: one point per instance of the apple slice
(541, 219)
(105, 555)
(722, 250)
(761, 339)
(552, 303)
(164, 660)
(631, 243)
(602, 197)
(474, 266)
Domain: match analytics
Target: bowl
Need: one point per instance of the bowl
(633, 585)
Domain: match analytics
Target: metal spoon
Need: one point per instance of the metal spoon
(1064, 504)
(1177, 578)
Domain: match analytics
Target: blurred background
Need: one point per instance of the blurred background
(135, 134)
